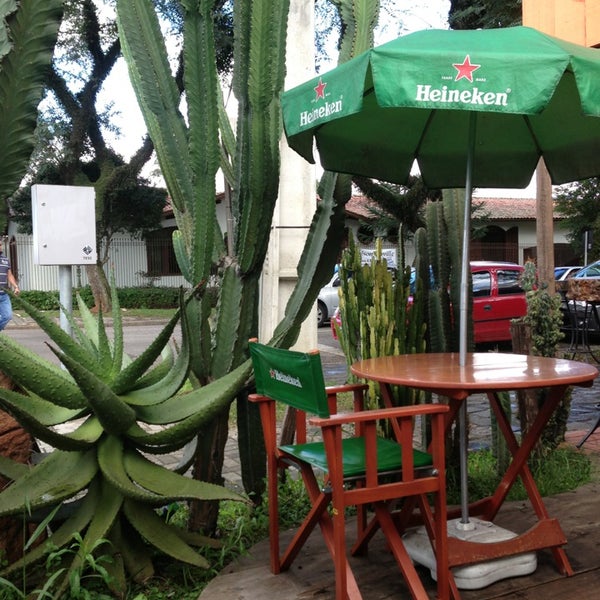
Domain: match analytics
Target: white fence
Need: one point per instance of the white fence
(128, 261)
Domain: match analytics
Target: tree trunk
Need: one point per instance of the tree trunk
(100, 287)
(529, 400)
(16, 444)
(208, 466)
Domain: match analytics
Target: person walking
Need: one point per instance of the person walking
(7, 279)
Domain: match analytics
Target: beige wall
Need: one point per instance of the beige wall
(577, 21)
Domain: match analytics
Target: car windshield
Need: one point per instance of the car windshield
(592, 270)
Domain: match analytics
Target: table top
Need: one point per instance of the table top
(483, 371)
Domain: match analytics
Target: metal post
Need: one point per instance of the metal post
(65, 295)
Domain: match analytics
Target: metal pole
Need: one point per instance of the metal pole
(65, 295)
(464, 315)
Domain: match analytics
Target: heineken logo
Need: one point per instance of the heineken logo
(320, 89)
(445, 94)
(465, 69)
(285, 378)
(324, 109)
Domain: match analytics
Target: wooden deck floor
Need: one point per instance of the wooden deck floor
(311, 575)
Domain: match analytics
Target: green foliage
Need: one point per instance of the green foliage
(104, 400)
(544, 316)
(544, 320)
(484, 14)
(577, 203)
(562, 470)
(129, 298)
(191, 149)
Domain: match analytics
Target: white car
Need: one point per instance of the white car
(564, 273)
(328, 300)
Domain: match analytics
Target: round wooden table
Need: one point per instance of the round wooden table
(483, 372)
(491, 373)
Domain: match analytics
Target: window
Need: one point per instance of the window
(508, 282)
(482, 284)
(160, 253)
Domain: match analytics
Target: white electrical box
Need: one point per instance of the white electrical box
(64, 225)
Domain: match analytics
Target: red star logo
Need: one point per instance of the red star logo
(320, 90)
(465, 69)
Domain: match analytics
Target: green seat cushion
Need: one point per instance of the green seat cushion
(389, 455)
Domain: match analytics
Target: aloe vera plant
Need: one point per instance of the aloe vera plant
(113, 411)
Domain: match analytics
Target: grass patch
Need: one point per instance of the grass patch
(562, 470)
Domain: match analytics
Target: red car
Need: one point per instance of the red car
(497, 299)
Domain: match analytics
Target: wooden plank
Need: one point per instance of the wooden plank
(583, 586)
(592, 23)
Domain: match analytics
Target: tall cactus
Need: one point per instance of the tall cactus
(189, 153)
(439, 252)
(438, 263)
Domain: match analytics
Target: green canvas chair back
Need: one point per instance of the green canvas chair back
(294, 378)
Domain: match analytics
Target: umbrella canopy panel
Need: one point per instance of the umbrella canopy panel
(410, 100)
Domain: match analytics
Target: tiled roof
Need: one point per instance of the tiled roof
(359, 207)
(496, 209)
(510, 209)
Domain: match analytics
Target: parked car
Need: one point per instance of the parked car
(328, 300)
(497, 299)
(591, 271)
(564, 273)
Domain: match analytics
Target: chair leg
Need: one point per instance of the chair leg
(394, 540)
(592, 429)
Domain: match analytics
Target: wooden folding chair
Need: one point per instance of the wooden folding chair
(364, 470)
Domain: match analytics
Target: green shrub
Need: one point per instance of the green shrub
(130, 297)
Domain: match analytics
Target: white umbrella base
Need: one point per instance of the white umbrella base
(480, 575)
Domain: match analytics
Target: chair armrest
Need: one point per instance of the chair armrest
(378, 414)
(259, 398)
(346, 387)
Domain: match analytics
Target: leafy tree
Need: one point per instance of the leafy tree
(397, 206)
(579, 204)
(73, 146)
(484, 14)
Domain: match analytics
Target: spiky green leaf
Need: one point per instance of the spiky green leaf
(39, 376)
(126, 379)
(173, 486)
(110, 460)
(63, 533)
(114, 414)
(195, 405)
(161, 535)
(58, 477)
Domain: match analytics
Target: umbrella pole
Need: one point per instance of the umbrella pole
(464, 300)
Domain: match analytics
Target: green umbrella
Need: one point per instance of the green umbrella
(472, 108)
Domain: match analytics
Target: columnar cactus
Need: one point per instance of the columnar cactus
(379, 316)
